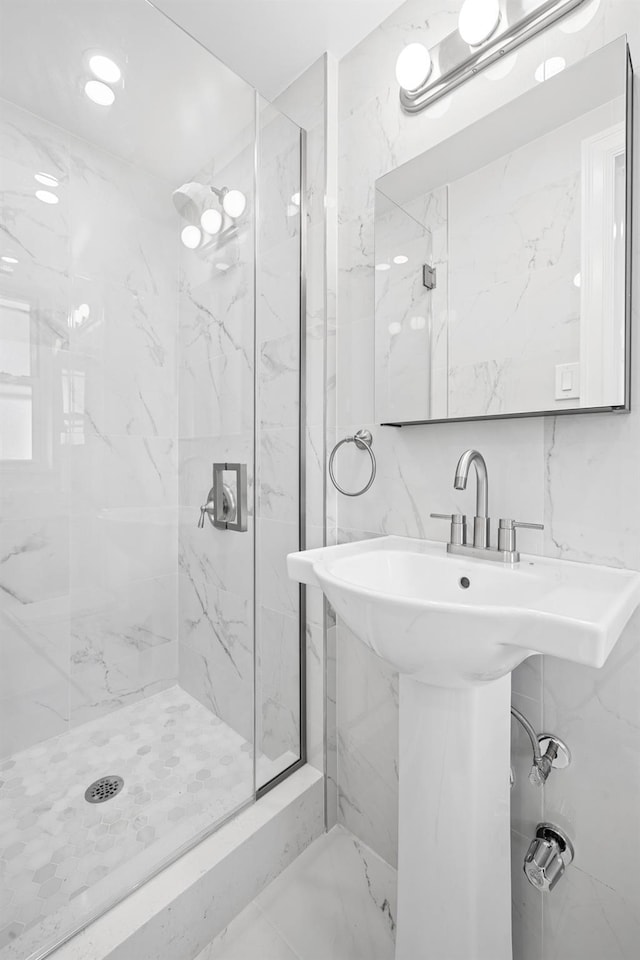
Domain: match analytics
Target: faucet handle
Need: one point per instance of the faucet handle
(507, 532)
(458, 523)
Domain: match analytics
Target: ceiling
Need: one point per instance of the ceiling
(177, 107)
(271, 42)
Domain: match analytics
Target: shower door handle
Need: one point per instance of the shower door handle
(229, 504)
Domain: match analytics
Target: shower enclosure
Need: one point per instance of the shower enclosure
(150, 327)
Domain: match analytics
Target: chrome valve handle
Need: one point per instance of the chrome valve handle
(458, 521)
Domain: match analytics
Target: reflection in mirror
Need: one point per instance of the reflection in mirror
(520, 223)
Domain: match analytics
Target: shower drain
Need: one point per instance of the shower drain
(103, 789)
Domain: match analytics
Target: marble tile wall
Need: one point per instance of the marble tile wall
(577, 474)
(515, 239)
(278, 432)
(216, 424)
(87, 563)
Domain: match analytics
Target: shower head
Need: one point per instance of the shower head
(190, 199)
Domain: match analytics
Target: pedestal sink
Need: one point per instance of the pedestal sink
(455, 628)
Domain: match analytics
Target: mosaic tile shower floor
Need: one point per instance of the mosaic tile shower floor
(183, 769)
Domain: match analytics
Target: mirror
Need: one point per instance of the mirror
(502, 280)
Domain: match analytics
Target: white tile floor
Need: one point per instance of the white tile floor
(184, 770)
(335, 902)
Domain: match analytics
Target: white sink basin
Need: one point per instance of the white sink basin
(450, 626)
(406, 600)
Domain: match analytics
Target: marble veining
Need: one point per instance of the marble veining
(336, 900)
(182, 766)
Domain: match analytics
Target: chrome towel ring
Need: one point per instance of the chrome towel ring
(363, 441)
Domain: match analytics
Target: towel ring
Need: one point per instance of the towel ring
(363, 441)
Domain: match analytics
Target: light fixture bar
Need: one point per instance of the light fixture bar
(505, 41)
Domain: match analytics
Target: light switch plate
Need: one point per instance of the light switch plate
(567, 381)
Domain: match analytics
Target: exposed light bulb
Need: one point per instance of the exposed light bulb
(191, 236)
(47, 197)
(104, 68)
(211, 220)
(401, 259)
(99, 92)
(46, 179)
(413, 66)
(234, 203)
(478, 20)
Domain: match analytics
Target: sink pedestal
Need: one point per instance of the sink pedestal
(454, 868)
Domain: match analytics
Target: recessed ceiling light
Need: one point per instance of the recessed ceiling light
(104, 68)
(47, 179)
(549, 68)
(47, 197)
(400, 259)
(211, 220)
(413, 66)
(9, 260)
(383, 266)
(191, 237)
(99, 92)
(478, 20)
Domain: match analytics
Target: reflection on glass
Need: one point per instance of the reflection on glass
(16, 390)
(527, 224)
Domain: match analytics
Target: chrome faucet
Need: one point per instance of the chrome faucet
(481, 535)
(481, 546)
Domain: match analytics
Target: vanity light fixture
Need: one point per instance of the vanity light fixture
(478, 20)
(191, 236)
(234, 203)
(413, 66)
(488, 30)
(211, 221)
